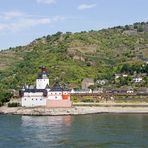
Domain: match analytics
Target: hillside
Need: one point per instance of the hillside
(74, 56)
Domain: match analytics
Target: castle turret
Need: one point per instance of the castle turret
(42, 81)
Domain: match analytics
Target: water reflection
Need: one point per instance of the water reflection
(49, 121)
(46, 129)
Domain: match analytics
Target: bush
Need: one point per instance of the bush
(75, 100)
(87, 100)
(1, 104)
(5, 96)
(14, 104)
(140, 29)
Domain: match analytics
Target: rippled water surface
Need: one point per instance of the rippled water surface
(88, 131)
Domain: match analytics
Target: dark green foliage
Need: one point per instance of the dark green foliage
(134, 68)
(127, 27)
(13, 104)
(87, 100)
(92, 87)
(125, 68)
(5, 96)
(140, 29)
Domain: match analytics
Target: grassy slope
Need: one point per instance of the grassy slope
(71, 57)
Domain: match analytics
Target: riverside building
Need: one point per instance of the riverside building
(43, 95)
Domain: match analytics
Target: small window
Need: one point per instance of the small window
(55, 97)
(40, 99)
(36, 99)
(32, 99)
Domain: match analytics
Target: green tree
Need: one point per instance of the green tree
(140, 28)
(92, 87)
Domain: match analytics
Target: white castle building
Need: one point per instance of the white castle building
(42, 95)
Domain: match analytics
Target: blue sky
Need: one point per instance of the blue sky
(22, 21)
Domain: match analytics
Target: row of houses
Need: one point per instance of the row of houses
(111, 91)
(87, 82)
(137, 79)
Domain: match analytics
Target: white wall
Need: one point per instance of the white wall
(31, 94)
(41, 83)
(33, 101)
(56, 95)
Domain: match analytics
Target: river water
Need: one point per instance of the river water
(83, 131)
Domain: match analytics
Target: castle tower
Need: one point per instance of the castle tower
(42, 81)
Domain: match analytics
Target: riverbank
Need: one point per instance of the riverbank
(78, 109)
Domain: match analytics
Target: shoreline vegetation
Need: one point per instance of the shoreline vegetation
(78, 109)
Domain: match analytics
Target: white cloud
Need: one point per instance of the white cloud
(24, 21)
(46, 1)
(12, 14)
(86, 6)
(31, 22)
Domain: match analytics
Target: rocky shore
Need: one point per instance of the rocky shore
(76, 109)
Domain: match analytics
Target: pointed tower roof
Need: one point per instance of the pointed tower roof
(43, 74)
(47, 87)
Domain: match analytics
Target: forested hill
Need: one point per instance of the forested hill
(74, 56)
